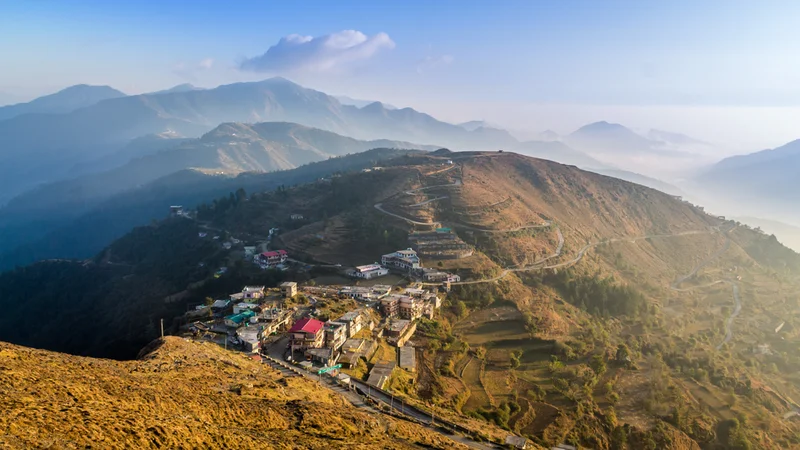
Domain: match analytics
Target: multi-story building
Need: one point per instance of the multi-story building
(402, 259)
(390, 305)
(335, 334)
(354, 322)
(409, 307)
(306, 333)
(289, 289)
(272, 258)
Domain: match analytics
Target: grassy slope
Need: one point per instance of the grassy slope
(183, 394)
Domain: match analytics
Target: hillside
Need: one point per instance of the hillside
(767, 175)
(639, 271)
(63, 101)
(593, 311)
(76, 219)
(182, 394)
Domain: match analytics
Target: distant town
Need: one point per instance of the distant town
(331, 327)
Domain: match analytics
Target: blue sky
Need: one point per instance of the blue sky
(555, 63)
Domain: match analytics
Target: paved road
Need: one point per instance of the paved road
(379, 207)
(428, 201)
(581, 253)
(358, 401)
(729, 321)
(538, 264)
(416, 413)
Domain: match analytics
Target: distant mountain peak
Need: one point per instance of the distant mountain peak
(473, 125)
(185, 87)
(63, 101)
(549, 135)
(602, 126)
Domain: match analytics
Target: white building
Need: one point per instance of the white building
(369, 271)
(402, 259)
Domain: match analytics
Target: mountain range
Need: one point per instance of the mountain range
(228, 150)
(762, 184)
(63, 101)
(38, 148)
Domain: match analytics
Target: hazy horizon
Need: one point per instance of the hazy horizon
(527, 66)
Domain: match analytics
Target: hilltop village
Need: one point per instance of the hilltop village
(337, 328)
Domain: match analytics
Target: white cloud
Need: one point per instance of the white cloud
(296, 53)
(189, 71)
(432, 62)
(206, 64)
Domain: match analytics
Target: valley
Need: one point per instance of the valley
(399, 225)
(585, 303)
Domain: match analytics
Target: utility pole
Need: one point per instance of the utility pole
(162, 329)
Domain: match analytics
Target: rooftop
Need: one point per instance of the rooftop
(253, 288)
(288, 284)
(398, 325)
(369, 267)
(275, 253)
(241, 317)
(307, 325)
(349, 317)
(333, 325)
(220, 303)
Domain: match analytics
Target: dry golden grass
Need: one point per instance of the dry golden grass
(182, 395)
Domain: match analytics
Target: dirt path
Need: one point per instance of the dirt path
(737, 299)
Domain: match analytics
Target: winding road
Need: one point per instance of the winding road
(538, 265)
(737, 299)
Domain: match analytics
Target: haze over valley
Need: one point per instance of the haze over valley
(523, 224)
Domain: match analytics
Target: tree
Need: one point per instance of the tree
(460, 309)
(241, 195)
(598, 364)
(623, 353)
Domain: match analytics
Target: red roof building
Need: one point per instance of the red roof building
(306, 333)
(274, 257)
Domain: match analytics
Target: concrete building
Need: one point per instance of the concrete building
(306, 333)
(357, 293)
(325, 356)
(353, 349)
(242, 307)
(289, 289)
(380, 373)
(250, 338)
(353, 321)
(389, 305)
(437, 276)
(272, 258)
(335, 334)
(409, 307)
(397, 327)
(237, 320)
(406, 260)
(368, 272)
(253, 292)
(408, 358)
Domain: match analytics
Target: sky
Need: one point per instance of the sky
(723, 71)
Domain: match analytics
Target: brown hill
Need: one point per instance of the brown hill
(181, 395)
(638, 268)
